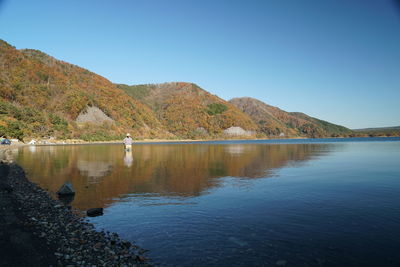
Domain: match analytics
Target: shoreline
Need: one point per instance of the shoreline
(42, 231)
(155, 141)
(82, 142)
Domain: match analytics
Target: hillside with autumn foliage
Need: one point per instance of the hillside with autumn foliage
(273, 121)
(41, 96)
(187, 110)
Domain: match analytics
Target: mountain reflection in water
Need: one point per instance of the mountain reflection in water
(101, 173)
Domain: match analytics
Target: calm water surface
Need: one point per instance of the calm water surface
(251, 203)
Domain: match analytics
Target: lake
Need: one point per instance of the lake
(311, 202)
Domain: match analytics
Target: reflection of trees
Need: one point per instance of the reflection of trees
(100, 173)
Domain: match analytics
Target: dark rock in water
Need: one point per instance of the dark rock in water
(140, 258)
(66, 189)
(94, 212)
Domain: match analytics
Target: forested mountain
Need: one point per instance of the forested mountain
(41, 96)
(274, 122)
(188, 111)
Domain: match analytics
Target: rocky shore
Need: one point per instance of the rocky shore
(36, 230)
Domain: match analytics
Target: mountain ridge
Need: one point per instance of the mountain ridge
(378, 128)
(41, 96)
(274, 121)
(187, 110)
(379, 131)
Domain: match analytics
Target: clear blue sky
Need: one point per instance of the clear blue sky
(338, 60)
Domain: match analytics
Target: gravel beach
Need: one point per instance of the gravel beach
(36, 230)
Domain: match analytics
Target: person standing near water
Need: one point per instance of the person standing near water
(128, 142)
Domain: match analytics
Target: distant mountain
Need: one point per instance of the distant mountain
(379, 131)
(188, 111)
(392, 128)
(273, 121)
(42, 96)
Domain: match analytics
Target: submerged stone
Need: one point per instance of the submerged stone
(94, 212)
(66, 189)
